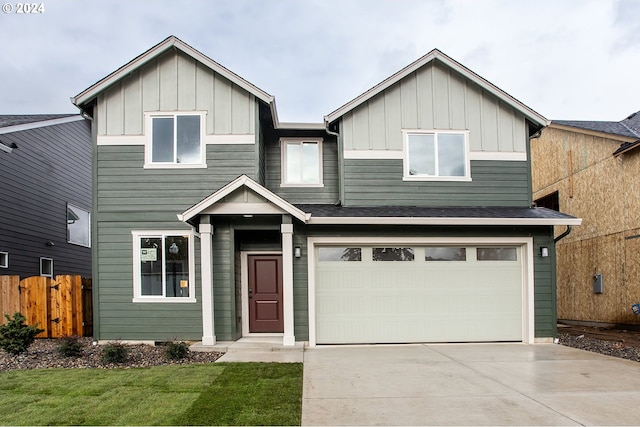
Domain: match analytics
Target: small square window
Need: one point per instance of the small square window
(4, 259)
(46, 267)
(301, 162)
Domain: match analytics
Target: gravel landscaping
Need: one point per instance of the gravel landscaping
(624, 349)
(43, 353)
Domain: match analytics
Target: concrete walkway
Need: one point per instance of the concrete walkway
(469, 384)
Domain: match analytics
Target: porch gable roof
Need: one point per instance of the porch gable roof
(242, 181)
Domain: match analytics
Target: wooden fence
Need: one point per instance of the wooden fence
(61, 306)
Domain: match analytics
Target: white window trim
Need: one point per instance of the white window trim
(526, 243)
(148, 120)
(283, 158)
(137, 286)
(46, 259)
(4, 256)
(405, 146)
(75, 243)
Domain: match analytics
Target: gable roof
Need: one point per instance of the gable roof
(242, 181)
(171, 42)
(436, 55)
(17, 123)
(614, 128)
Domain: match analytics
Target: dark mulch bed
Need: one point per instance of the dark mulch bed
(43, 353)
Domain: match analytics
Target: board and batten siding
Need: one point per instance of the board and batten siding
(50, 167)
(379, 182)
(434, 97)
(328, 193)
(175, 82)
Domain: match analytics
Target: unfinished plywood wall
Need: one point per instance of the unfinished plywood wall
(604, 191)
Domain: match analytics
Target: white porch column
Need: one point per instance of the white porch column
(208, 330)
(287, 283)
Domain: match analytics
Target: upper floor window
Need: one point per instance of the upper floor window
(436, 155)
(175, 140)
(78, 226)
(301, 162)
(4, 259)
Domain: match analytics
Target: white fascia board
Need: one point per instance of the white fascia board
(441, 221)
(154, 52)
(429, 57)
(41, 124)
(243, 180)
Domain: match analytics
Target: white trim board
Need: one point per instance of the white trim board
(40, 124)
(207, 139)
(442, 221)
(527, 244)
(399, 155)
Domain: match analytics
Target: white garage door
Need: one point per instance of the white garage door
(383, 294)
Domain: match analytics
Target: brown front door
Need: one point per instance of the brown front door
(265, 293)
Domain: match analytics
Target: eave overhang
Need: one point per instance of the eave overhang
(441, 221)
(172, 42)
(436, 55)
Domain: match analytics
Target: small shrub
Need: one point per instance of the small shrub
(70, 347)
(16, 336)
(177, 350)
(114, 353)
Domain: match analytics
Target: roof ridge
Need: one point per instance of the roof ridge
(629, 129)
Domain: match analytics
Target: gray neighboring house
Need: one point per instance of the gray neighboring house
(45, 195)
(404, 216)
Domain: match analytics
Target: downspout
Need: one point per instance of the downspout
(340, 161)
(563, 235)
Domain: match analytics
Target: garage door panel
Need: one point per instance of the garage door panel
(418, 301)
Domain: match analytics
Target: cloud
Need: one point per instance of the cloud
(569, 59)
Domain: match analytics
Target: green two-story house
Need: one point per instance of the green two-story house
(404, 216)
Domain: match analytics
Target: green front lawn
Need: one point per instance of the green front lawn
(208, 394)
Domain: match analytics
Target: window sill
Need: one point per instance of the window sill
(175, 165)
(163, 300)
(438, 178)
(283, 185)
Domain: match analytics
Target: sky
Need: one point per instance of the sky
(565, 59)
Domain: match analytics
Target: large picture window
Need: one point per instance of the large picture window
(163, 267)
(175, 139)
(436, 155)
(78, 226)
(301, 162)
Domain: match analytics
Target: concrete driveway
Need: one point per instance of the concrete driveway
(468, 384)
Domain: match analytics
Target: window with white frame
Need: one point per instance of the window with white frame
(78, 226)
(46, 267)
(175, 140)
(436, 155)
(164, 266)
(4, 259)
(301, 162)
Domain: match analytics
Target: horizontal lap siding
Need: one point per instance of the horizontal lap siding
(379, 182)
(50, 167)
(545, 285)
(326, 194)
(130, 197)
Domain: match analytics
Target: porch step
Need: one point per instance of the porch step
(255, 350)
